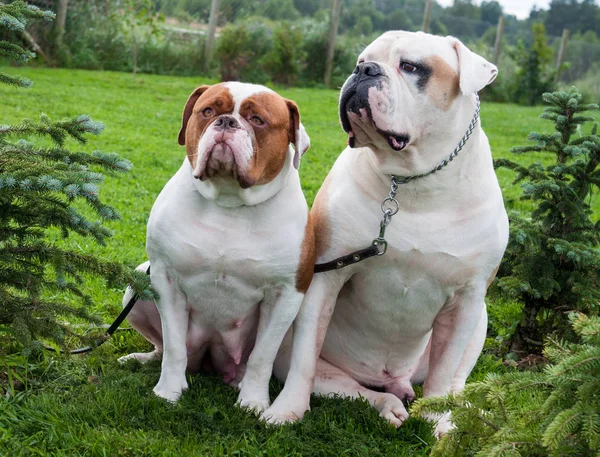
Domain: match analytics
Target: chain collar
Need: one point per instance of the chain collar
(390, 205)
(443, 163)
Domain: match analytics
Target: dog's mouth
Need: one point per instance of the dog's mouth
(220, 163)
(351, 104)
(397, 142)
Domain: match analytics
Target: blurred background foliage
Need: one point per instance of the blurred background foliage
(285, 41)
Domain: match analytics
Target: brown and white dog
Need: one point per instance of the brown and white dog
(416, 314)
(230, 243)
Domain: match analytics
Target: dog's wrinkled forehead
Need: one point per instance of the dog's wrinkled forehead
(417, 47)
(239, 92)
(443, 67)
(230, 96)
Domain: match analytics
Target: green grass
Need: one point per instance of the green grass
(90, 406)
(97, 408)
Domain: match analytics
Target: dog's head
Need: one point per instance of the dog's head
(241, 132)
(408, 86)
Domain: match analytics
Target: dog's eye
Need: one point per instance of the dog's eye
(408, 67)
(257, 120)
(207, 112)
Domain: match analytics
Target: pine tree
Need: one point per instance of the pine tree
(551, 413)
(552, 263)
(41, 282)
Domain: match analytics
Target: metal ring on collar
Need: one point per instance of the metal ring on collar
(390, 206)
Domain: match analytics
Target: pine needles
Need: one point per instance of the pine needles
(40, 190)
(551, 413)
(552, 263)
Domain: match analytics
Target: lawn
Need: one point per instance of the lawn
(91, 406)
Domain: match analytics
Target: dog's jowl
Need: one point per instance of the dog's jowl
(230, 243)
(416, 314)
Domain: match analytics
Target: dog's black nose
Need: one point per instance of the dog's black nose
(226, 122)
(370, 69)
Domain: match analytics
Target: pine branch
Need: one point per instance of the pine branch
(58, 131)
(15, 81)
(15, 53)
(38, 186)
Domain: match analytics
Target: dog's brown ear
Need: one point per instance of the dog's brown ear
(474, 71)
(187, 111)
(298, 136)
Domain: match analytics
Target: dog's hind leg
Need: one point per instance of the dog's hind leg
(145, 318)
(331, 380)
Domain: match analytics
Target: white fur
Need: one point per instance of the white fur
(417, 313)
(241, 91)
(224, 262)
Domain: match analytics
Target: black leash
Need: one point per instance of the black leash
(110, 330)
(353, 257)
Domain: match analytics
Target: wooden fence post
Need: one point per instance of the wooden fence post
(61, 20)
(210, 36)
(427, 16)
(561, 50)
(335, 19)
(498, 44)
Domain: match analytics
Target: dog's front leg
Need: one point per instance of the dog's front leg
(457, 340)
(174, 317)
(276, 316)
(309, 333)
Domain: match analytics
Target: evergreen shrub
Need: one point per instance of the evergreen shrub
(552, 262)
(46, 188)
(553, 412)
(535, 74)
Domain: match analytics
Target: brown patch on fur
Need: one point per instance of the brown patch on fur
(194, 123)
(492, 276)
(308, 255)
(272, 138)
(444, 85)
(320, 217)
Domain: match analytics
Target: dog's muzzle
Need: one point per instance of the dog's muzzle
(355, 93)
(355, 97)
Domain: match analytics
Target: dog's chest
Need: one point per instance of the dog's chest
(430, 257)
(225, 261)
(223, 258)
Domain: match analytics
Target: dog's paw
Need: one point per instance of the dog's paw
(142, 357)
(286, 409)
(253, 405)
(443, 426)
(170, 391)
(253, 399)
(391, 408)
(275, 417)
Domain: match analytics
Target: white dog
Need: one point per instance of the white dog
(230, 243)
(417, 313)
